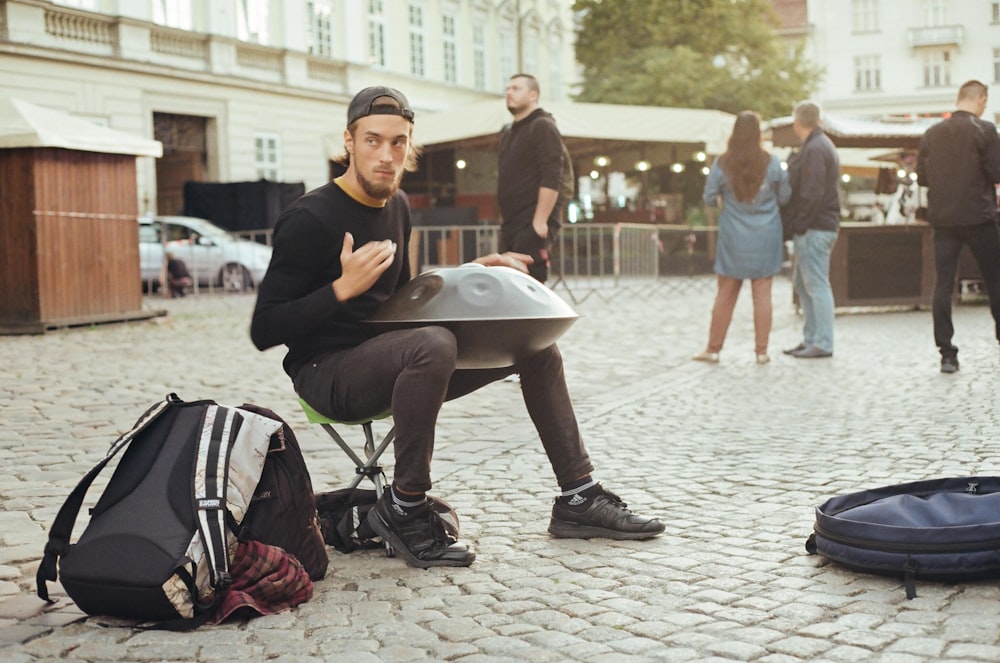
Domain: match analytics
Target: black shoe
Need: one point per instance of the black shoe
(811, 352)
(798, 348)
(949, 364)
(420, 536)
(599, 514)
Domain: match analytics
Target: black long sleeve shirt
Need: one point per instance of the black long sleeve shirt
(959, 162)
(296, 305)
(530, 156)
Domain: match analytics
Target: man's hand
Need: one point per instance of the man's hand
(518, 261)
(360, 269)
(547, 199)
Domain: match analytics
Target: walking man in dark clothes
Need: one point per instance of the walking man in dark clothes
(341, 250)
(959, 163)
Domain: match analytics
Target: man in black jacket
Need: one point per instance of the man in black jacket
(959, 163)
(529, 175)
(340, 251)
(813, 214)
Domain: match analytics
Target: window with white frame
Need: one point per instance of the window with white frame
(555, 65)
(376, 33)
(508, 55)
(449, 48)
(934, 12)
(266, 156)
(529, 49)
(864, 15)
(937, 69)
(867, 73)
(418, 37)
(995, 12)
(173, 13)
(996, 65)
(252, 21)
(320, 28)
(479, 56)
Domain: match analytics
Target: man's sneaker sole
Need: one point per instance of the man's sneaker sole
(562, 529)
(382, 529)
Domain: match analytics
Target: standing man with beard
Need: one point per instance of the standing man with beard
(339, 252)
(528, 176)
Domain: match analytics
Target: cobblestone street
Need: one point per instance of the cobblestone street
(733, 457)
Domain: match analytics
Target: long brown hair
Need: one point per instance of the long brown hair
(745, 161)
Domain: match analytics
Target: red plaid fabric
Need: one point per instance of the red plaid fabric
(266, 580)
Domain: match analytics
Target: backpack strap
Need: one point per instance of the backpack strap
(62, 527)
(219, 430)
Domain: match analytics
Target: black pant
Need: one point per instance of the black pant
(984, 242)
(524, 239)
(412, 372)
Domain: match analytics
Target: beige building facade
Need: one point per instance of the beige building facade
(240, 90)
(896, 59)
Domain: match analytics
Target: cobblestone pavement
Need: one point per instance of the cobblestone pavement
(734, 457)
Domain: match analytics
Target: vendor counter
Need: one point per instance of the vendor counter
(888, 265)
(880, 265)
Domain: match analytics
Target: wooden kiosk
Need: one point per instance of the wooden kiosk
(69, 251)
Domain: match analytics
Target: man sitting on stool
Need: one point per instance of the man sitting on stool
(339, 252)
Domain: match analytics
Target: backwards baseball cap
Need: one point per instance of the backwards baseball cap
(363, 104)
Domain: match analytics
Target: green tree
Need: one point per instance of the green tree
(721, 54)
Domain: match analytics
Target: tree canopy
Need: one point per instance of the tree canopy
(720, 54)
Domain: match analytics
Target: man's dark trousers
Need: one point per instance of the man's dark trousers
(984, 242)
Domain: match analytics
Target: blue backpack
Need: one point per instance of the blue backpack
(939, 529)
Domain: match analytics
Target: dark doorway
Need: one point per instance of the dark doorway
(184, 158)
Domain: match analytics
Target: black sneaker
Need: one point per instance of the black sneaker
(599, 513)
(420, 536)
(949, 364)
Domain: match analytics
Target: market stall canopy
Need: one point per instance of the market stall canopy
(23, 124)
(858, 132)
(583, 122)
(863, 161)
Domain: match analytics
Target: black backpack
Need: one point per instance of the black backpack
(283, 510)
(158, 544)
(939, 529)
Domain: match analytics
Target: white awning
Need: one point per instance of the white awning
(23, 124)
(613, 122)
(857, 132)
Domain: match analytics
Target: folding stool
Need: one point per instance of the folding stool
(363, 468)
(367, 468)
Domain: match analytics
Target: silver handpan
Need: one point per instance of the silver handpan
(497, 314)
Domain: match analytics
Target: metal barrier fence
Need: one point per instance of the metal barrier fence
(587, 259)
(591, 259)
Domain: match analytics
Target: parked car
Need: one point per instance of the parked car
(214, 257)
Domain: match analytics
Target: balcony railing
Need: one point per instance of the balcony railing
(70, 33)
(939, 35)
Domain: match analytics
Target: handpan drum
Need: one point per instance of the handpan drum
(497, 314)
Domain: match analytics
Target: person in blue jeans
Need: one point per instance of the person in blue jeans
(813, 216)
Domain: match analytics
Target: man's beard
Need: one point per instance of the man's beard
(377, 190)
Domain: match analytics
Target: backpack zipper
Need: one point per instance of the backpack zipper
(910, 547)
